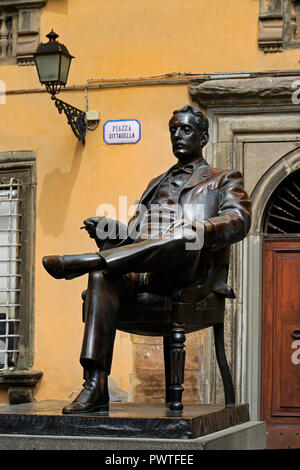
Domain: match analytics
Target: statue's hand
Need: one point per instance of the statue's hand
(103, 229)
(90, 225)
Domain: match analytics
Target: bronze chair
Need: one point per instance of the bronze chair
(187, 310)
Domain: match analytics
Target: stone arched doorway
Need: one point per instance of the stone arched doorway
(262, 197)
(280, 322)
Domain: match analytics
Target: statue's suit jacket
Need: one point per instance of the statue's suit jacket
(226, 218)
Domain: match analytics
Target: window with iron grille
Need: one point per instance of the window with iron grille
(10, 217)
(17, 248)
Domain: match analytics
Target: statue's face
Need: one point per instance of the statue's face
(186, 137)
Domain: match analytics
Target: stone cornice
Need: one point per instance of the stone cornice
(261, 91)
(23, 3)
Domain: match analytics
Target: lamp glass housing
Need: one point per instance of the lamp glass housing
(53, 67)
(65, 63)
(52, 60)
(48, 67)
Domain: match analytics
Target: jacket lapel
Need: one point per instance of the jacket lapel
(198, 176)
(201, 172)
(152, 188)
(146, 195)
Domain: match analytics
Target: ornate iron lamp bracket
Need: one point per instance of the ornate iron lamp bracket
(76, 118)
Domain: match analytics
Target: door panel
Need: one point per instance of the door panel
(281, 333)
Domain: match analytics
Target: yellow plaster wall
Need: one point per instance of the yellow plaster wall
(111, 39)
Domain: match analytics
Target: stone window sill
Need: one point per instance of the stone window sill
(21, 384)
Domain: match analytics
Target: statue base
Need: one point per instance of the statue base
(124, 420)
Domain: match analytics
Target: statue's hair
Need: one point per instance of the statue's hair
(200, 119)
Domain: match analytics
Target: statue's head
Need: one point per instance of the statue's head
(189, 133)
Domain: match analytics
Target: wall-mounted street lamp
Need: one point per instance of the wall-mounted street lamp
(53, 60)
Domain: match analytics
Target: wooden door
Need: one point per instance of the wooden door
(280, 404)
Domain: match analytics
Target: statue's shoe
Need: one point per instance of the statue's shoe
(54, 265)
(70, 266)
(91, 398)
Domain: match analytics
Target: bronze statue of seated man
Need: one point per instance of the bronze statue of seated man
(178, 249)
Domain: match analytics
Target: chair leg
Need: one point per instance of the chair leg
(223, 365)
(167, 362)
(177, 362)
(83, 296)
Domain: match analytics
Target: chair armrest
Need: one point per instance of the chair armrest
(196, 293)
(185, 294)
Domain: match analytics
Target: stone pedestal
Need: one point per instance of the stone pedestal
(125, 420)
(130, 426)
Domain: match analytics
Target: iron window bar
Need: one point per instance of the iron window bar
(282, 214)
(10, 216)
